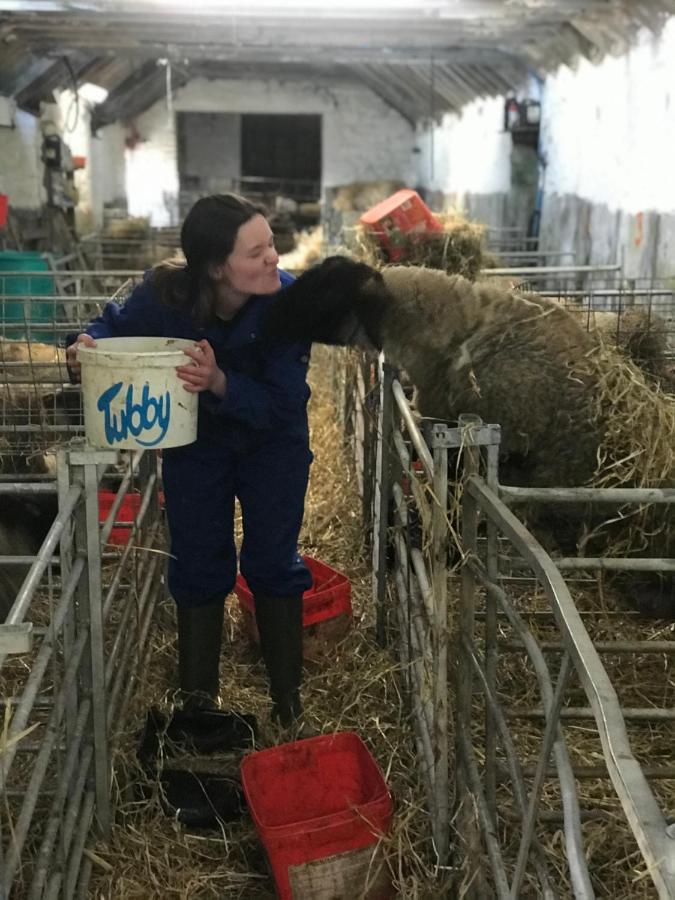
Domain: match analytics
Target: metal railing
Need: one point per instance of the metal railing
(643, 815)
(70, 650)
(417, 522)
(38, 409)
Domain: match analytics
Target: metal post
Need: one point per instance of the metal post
(69, 623)
(381, 497)
(439, 550)
(491, 647)
(464, 671)
(90, 617)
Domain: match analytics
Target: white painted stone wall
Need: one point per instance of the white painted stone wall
(608, 130)
(362, 137)
(151, 174)
(108, 164)
(468, 152)
(607, 134)
(20, 164)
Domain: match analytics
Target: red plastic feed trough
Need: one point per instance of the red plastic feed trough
(125, 515)
(326, 611)
(319, 807)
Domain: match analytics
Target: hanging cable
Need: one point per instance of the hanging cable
(169, 91)
(75, 102)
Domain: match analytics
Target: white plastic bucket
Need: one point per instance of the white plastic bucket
(132, 396)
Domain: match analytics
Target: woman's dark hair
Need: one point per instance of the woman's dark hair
(207, 238)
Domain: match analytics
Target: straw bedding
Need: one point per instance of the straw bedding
(355, 689)
(615, 863)
(151, 856)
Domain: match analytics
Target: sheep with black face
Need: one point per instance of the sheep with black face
(522, 362)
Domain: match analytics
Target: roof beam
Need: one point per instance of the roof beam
(383, 88)
(353, 9)
(190, 42)
(138, 92)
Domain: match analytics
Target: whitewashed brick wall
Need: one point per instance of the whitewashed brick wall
(20, 165)
(362, 137)
(608, 130)
(468, 152)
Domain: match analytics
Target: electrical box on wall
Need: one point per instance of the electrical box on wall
(521, 118)
(7, 111)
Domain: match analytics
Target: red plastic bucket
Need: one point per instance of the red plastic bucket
(319, 807)
(326, 609)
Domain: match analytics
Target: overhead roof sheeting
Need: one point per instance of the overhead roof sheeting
(422, 57)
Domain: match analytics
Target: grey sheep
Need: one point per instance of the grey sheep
(522, 362)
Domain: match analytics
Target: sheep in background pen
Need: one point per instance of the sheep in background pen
(521, 361)
(31, 394)
(24, 524)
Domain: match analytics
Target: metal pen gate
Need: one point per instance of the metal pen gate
(70, 651)
(76, 635)
(466, 730)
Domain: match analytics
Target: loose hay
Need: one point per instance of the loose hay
(639, 425)
(637, 449)
(355, 689)
(459, 249)
(307, 251)
(639, 334)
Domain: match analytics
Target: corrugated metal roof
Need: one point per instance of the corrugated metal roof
(423, 57)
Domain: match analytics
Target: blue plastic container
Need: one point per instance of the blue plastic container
(28, 314)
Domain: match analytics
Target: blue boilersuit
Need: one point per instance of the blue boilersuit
(253, 444)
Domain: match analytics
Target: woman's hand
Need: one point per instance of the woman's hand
(71, 355)
(204, 375)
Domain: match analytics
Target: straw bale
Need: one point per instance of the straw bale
(133, 227)
(459, 249)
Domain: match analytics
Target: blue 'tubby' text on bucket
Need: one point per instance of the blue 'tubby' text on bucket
(134, 418)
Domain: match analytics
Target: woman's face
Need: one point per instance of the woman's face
(251, 268)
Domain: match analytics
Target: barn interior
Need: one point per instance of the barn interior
(519, 708)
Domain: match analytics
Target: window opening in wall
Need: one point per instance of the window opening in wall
(281, 156)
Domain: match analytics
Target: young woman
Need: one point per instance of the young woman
(253, 443)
